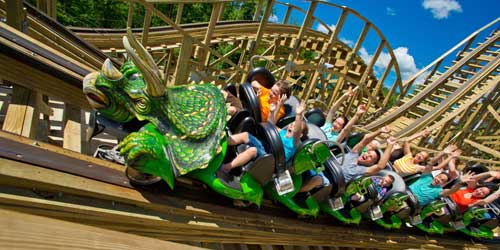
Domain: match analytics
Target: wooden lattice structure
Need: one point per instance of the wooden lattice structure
(42, 65)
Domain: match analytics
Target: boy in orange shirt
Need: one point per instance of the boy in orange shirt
(268, 97)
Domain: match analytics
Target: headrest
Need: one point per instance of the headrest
(316, 117)
(316, 132)
(263, 76)
(250, 101)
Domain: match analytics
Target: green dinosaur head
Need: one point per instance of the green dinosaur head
(103, 92)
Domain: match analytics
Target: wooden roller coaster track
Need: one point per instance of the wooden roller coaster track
(42, 61)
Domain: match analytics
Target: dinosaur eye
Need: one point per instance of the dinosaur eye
(133, 77)
(142, 105)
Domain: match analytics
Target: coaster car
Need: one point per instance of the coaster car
(311, 155)
(479, 222)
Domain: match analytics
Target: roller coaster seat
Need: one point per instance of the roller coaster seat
(260, 169)
(353, 139)
(334, 174)
(316, 132)
(242, 121)
(316, 117)
(250, 101)
(231, 88)
(450, 214)
(263, 76)
(270, 138)
(414, 208)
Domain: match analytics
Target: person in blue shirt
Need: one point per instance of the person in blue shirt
(428, 188)
(292, 134)
(337, 129)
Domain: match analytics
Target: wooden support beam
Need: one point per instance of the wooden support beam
(201, 53)
(74, 132)
(24, 231)
(16, 16)
(145, 27)
(23, 112)
(494, 113)
(494, 153)
(298, 40)
(178, 17)
(183, 62)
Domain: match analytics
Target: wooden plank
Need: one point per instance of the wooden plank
(74, 138)
(494, 113)
(24, 231)
(22, 112)
(183, 66)
(494, 153)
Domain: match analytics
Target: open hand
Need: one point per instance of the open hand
(456, 153)
(391, 140)
(426, 133)
(361, 109)
(282, 100)
(385, 129)
(450, 148)
(467, 177)
(301, 108)
(351, 92)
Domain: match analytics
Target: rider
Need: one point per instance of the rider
(369, 163)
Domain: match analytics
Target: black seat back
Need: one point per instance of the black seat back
(322, 193)
(262, 169)
(271, 141)
(316, 132)
(354, 139)
(262, 75)
(242, 121)
(316, 117)
(334, 174)
(250, 101)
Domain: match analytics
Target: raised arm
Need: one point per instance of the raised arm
(275, 109)
(368, 138)
(448, 160)
(382, 163)
(448, 150)
(406, 146)
(299, 122)
(463, 180)
(336, 105)
(345, 131)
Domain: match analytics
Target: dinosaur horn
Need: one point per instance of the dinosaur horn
(109, 71)
(141, 58)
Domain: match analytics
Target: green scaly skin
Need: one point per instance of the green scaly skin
(185, 133)
(394, 201)
(481, 232)
(306, 159)
(435, 227)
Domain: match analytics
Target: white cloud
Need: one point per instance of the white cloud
(390, 11)
(350, 43)
(441, 8)
(273, 18)
(322, 28)
(420, 79)
(406, 62)
(365, 55)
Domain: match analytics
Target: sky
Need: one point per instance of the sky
(418, 31)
